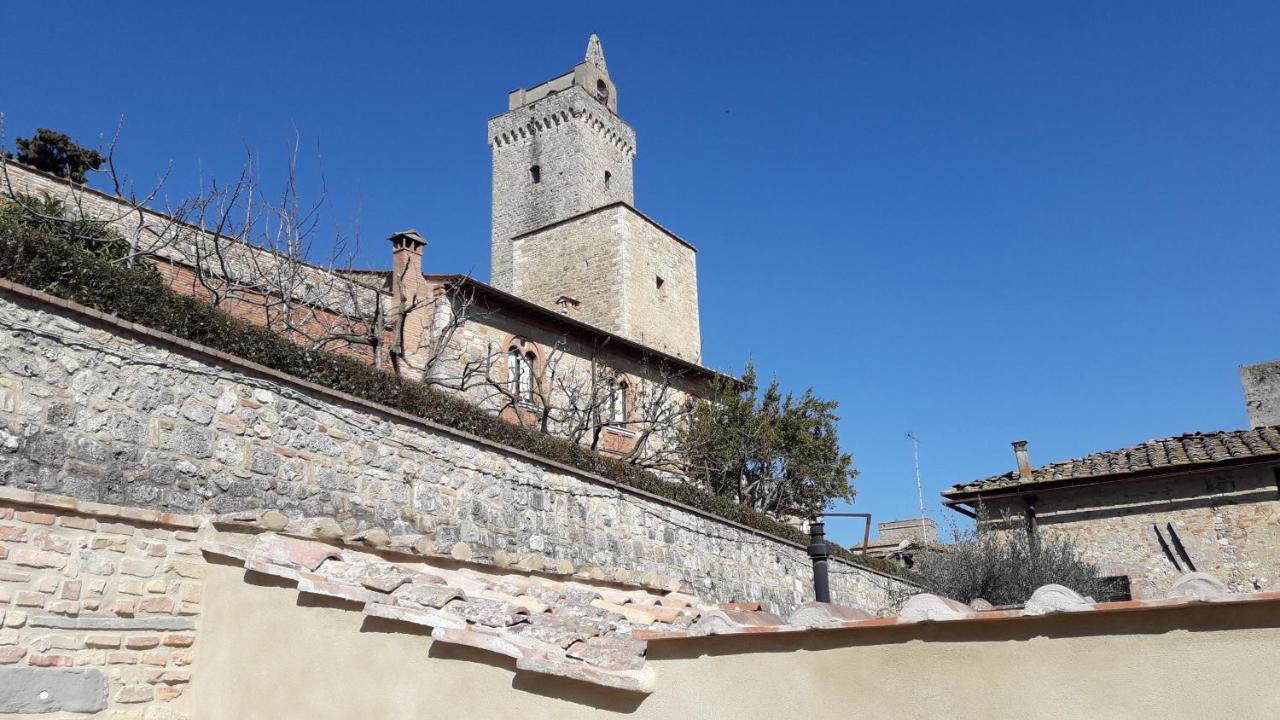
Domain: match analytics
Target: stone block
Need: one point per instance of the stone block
(48, 690)
(926, 606)
(1198, 586)
(816, 614)
(109, 623)
(1056, 598)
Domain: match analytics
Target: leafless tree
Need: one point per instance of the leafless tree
(280, 261)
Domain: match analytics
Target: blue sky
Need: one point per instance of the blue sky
(980, 222)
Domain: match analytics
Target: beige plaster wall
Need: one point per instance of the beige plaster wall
(266, 653)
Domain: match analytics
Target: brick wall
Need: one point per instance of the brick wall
(100, 607)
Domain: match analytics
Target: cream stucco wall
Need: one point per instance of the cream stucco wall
(268, 652)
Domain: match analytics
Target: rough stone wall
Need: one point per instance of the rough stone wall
(573, 140)
(97, 414)
(99, 609)
(1262, 393)
(1228, 522)
(664, 317)
(611, 261)
(584, 259)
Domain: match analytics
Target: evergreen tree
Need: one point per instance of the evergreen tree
(57, 153)
(773, 452)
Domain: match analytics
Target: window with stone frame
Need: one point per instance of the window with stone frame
(520, 373)
(617, 412)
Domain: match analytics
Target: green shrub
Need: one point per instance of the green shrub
(1004, 564)
(73, 271)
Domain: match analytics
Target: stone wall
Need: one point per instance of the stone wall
(99, 607)
(1262, 392)
(100, 413)
(632, 277)
(573, 140)
(582, 259)
(1227, 521)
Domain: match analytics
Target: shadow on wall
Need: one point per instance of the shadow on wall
(551, 686)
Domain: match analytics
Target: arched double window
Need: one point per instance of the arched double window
(616, 410)
(520, 373)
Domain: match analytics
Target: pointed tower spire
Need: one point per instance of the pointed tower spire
(595, 53)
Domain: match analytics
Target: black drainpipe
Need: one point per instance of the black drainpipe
(818, 553)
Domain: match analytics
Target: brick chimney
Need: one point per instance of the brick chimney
(410, 296)
(1262, 393)
(406, 266)
(1024, 462)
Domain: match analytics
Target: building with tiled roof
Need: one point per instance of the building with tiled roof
(1205, 501)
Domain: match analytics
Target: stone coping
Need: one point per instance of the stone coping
(951, 612)
(66, 503)
(8, 286)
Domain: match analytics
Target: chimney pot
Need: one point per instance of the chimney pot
(1024, 462)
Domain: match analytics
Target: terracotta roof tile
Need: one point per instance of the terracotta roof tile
(1184, 451)
(548, 626)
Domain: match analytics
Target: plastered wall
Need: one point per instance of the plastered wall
(267, 652)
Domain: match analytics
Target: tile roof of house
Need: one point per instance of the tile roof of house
(1184, 452)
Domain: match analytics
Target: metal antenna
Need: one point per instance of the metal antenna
(915, 444)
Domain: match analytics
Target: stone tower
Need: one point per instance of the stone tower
(565, 232)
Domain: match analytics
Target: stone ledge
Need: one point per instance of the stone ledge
(61, 622)
(96, 509)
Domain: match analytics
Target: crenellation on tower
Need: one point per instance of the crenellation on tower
(560, 154)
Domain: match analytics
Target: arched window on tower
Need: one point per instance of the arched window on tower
(607, 177)
(602, 92)
(535, 174)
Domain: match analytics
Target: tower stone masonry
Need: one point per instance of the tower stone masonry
(566, 234)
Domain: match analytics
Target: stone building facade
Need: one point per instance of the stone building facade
(590, 331)
(565, 229)
(1147, 514)
(1262, 393)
